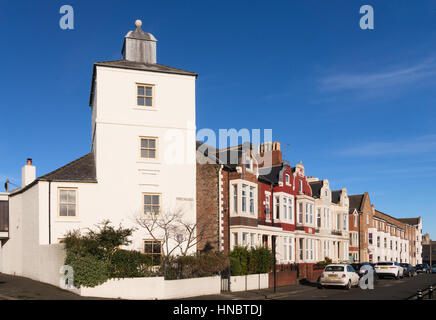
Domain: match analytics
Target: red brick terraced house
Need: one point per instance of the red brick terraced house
(250, 197)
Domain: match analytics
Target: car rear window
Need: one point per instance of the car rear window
(334, 268)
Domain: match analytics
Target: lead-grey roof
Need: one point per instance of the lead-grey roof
(156, 67)
(336, 196)
(80, 170)
(316, 187)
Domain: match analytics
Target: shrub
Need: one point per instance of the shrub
(96, 257)
(261, 260)
(89, 271)
(130, 264)
(256, 260)
(196, 265)
(239, 257)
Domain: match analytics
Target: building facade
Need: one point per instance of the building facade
(142, 160)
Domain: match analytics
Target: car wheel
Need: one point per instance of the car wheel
(397, 277)
(348, 286)
(320, 286)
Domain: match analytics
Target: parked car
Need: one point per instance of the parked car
(390, 269)
(339, 275)
(361, 270)
(409, 270)
(422, 268)
(433, 269)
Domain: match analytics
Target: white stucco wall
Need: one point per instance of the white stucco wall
(249, 282)
(154, 288)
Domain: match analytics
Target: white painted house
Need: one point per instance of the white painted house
(142, 160)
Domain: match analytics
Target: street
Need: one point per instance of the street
(19, 288)
(385, 289)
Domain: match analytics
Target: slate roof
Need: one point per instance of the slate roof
(410, 221)
(336, 196)
(316, 187)
(156, 67)
(79, 170)
(356, 202)
(270, 174)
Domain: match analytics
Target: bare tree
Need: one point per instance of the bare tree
(172, 227)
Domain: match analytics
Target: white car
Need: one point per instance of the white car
(339, 275)
(390, 269)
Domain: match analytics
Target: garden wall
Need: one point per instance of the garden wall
(249, 282)
(154, 288)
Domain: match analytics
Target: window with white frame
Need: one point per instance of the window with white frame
(300, 212)
(318, 218)
(268, 206)
(307, 212)
(311, 213)
(300, 249)
(290, 211)
(252, 240)
(252, 200)
(235, 239)
(244, 198)
(285, 248)
(67, 202)
(287, 179)
(300, 185)
(325, 222)
(235, 198)
(345, 222)
(244, 239)
(355, 220)
(285, 208)
(338, 222)
(277, 207)
(290, 249)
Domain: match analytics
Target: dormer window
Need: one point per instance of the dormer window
(145, 95)
(326, 192)
(287, 179)
(300, 185)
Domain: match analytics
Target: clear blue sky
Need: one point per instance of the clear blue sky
(357, 107)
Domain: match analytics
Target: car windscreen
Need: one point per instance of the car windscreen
(385, 263)
(334, 268)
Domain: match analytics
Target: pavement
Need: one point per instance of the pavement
(385, 289)
(19, 288)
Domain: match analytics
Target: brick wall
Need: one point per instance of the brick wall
(208, 205)
(286, 276)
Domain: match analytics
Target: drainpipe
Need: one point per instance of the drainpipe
(228, 225)
(359, 236)
(49, 211)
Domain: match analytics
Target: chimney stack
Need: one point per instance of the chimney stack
(269, 154)
(28, 173)
(139, 46)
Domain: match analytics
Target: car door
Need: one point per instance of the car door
(353, 275)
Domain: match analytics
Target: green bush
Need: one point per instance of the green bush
(256, 260)
(130, 264)
(89, 271)
(196, 265)
(261, 260)
(96, 256)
